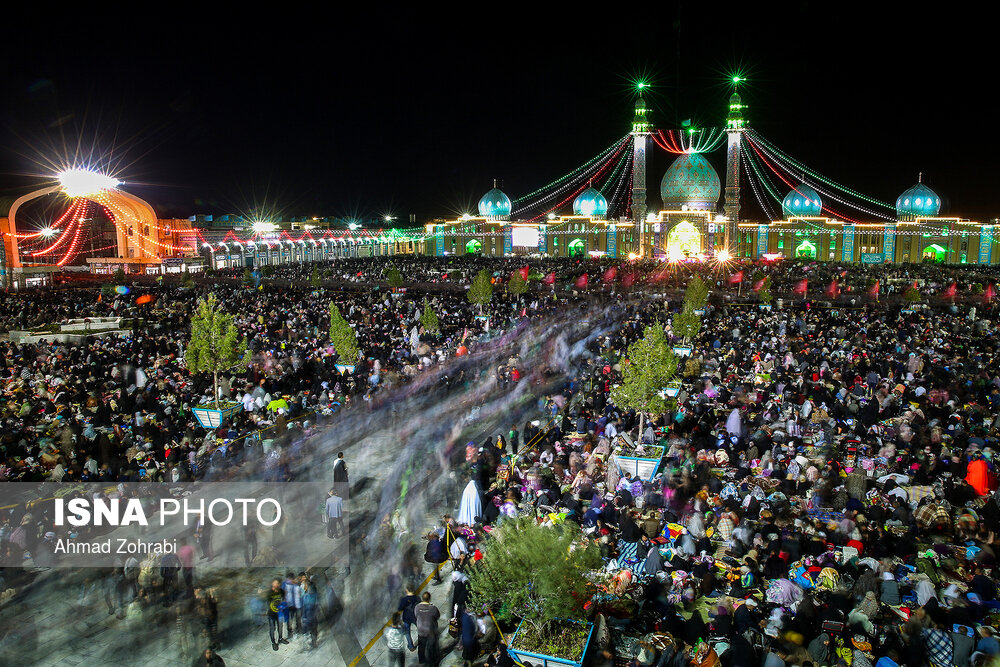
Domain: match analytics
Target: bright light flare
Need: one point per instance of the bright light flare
(723, 256)
(85, 183)
(48, 232)
(264, 227)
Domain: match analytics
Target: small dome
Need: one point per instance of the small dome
(802, 201)
(918, 201)
(590, 202)
(691, 181)
(495, 204)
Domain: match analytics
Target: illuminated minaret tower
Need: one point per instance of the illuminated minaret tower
(641, 127)
(734, 128)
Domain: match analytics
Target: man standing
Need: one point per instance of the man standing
(293, 598)
(275, 599)
(310, 610)
(334, 514)
(427, 616)
(340, 481)
(407, 605)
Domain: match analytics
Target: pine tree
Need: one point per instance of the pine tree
(651, 366)
(187, 280)
(314, 278)
(481, 290)
(536, 573)
(215, 345)
(696, 294)
(393, 277)
(765, 291)
(911, 295)
(429, 318)
(345, 342)
(517, 285)
(686, 324)
(247, 276)
(119, 276)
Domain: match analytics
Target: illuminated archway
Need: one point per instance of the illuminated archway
(473, 247)
(683, 239)
(806, 249)
(577, 247)
(935, 253)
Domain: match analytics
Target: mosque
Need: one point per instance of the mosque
(690, 224)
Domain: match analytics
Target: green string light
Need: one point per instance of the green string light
(575, 172)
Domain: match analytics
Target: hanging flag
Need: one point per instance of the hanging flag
(801, 287)
(833, 289)
(736, 278)
(581, 282)
(610, 274)
(758, 285)
(524, 272)
(989, 293)
(873, 292)
(949, 292)
(100, 297)
(915, 286)
(550, 279)
(145, 298)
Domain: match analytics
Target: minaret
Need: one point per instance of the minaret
(641, 128)
(734, 128)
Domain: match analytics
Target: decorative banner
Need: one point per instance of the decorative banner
(761, 240)
(439, 241)
(889, 243)
(872, 258)
(656, 237)
(986, 245)
(847, 250)
(508, 240)
(542, 243)
(612, 241)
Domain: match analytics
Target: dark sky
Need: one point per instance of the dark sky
(416, 110)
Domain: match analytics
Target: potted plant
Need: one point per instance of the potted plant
(395, 280)
(215, 347)
(481, 292)
(642, 461)
(765, 294)
(539, 576)
(345, 342)
(650, 366)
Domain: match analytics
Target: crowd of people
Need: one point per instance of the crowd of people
(826, 482)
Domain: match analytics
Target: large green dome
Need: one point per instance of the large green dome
(802, 201)
(918, 201)
(590, 202)
(691, 181)
(495, 204)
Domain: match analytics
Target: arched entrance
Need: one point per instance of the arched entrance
(683, 239)
(473, 247)
(806, 250)
(577, 247)
(934, 253)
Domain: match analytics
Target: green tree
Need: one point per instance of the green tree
(517, 285)
(187, 280)
(977, 288)
(651, 366)
(216, 346)
(765, 291)
(247, 276)
(345, 342)
(481, 290)
(119, 276)
(696, 294)
(536, 573)
(429, 318)
(393, 277)
(314, 278)
(911, 295)
(686, 324)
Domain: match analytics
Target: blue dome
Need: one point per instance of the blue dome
(802, 201)
(494, 204)
(590, 202)
(691, 181)
(918, 201)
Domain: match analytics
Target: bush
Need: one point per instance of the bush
(911, 295)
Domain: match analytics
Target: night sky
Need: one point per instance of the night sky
(415, 110)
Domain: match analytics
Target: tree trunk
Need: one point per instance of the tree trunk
(642, 423)
(215, 385)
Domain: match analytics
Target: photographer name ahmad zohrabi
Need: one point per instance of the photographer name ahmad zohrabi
(117, 545)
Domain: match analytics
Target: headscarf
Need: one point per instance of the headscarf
(819, 649)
